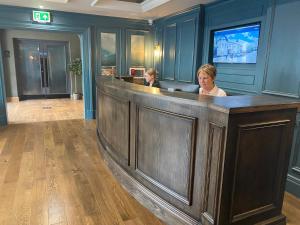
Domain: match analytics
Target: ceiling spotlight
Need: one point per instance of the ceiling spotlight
(41, 7)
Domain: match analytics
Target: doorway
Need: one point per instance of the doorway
(85, 34)
(41, 69)
(40, 48)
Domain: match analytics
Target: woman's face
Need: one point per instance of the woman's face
(148, 77)
(205, 81)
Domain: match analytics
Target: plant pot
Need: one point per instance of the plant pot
(76, 96)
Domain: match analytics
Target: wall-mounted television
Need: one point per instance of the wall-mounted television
(236, 45)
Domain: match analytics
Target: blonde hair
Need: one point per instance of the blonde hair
(209, 70)
(151, 72)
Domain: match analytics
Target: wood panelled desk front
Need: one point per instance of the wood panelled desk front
(197, 160)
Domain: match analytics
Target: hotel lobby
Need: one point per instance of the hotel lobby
(84, 140)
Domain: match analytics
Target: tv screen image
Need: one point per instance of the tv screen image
(236, 45)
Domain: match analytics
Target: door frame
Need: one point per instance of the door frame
(85, 35)
(44, 43)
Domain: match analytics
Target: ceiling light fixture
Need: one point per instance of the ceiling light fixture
(57, 1)
(94, 3)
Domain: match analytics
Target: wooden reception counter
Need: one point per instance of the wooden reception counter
(197, 160)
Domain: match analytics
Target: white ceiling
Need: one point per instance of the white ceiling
(149, 9)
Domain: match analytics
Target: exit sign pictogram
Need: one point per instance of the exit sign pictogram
(41, 16)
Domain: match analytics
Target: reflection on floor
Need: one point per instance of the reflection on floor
(44, 110)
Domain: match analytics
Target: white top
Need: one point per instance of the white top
(214, 92)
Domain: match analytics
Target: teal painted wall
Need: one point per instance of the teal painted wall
(3, 117)
(277, 70)
(180, 39)
(282, 66)
(87, 26)
(239, 78)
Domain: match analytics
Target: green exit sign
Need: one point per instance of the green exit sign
(41, 16)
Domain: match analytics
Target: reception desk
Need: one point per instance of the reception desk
(197, 159)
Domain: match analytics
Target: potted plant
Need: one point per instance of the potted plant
(75, 67)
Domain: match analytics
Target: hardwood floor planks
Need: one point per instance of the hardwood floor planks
(22, 201)
(51, 173)
(16, 148)
(44, 110)
(291, 208)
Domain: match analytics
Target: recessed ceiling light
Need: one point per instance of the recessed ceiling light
(58, 1)
(41, 7)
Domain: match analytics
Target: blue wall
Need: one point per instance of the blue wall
(88, 27)
(239, 78)
(283, 65)
(277, 70)
(179, 38)
(3, 118)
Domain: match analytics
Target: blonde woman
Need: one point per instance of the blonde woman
(206, 77)
(150, 78)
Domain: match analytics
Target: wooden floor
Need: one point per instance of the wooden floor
(29, 111)
(291, 208)
(51, 173)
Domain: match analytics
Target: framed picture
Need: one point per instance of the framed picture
(137, 71)
(108, 53)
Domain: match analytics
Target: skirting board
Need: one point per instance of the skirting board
(12, 99)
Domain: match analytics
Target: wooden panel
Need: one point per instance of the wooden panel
(259, 159)
(246, 77)
(218, 161)
(235, 11)
(180, 44)
(293, 179)
(114, 120)
(169, 54)
(295, 158)
(236, 78)
(163, 139)
(283, 76)
(214, 168)
(186, 53)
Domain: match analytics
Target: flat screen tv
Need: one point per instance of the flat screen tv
(236, 45)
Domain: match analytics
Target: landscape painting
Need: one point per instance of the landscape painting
(108, 53)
